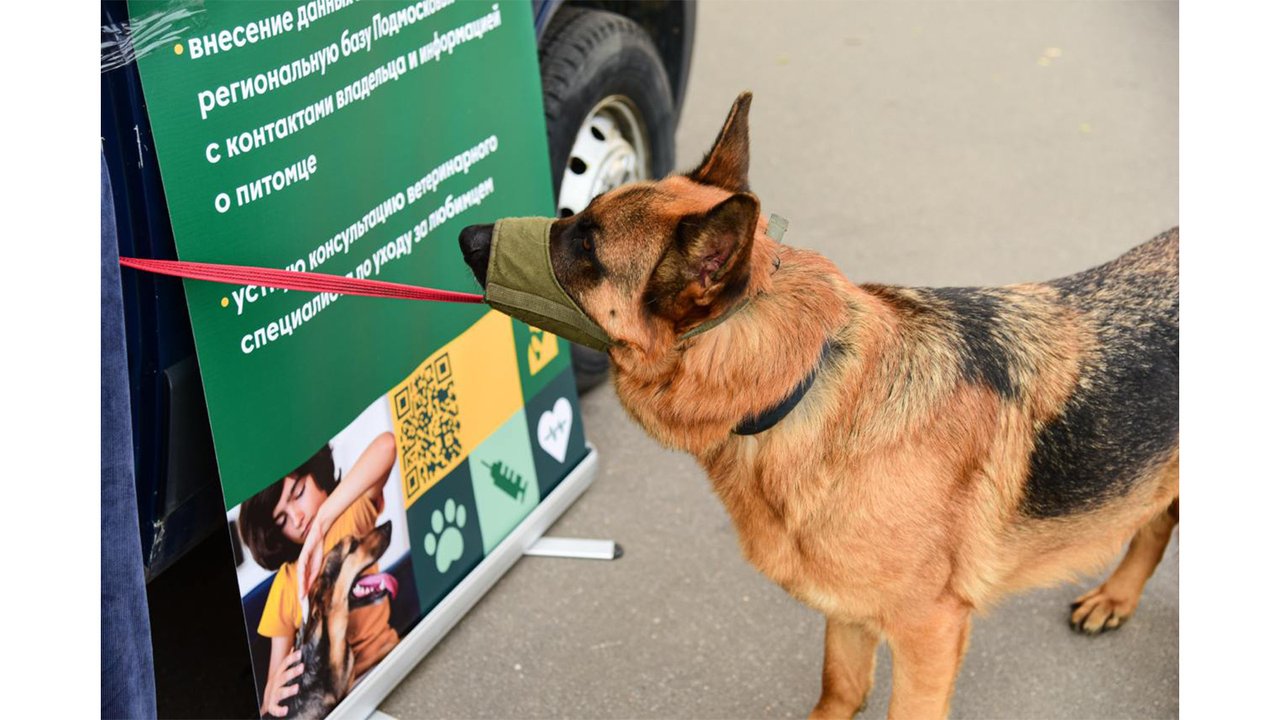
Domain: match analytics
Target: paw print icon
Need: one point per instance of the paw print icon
(445, 541)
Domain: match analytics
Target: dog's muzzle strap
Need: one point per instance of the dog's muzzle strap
(777, 227)
(504, 298)
(710, 324)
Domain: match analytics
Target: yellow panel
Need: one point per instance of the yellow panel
(453, 401)
(543, 348)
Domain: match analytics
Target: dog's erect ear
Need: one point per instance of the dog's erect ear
(726, 165)
(708, 264)
(716, 248)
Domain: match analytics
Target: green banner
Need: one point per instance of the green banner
(357, 143)
(358, 139)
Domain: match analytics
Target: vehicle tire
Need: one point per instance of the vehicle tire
(610, 120)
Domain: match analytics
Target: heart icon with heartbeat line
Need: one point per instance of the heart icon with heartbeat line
(553, 429)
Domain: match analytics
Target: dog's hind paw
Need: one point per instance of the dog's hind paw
(1100, 610)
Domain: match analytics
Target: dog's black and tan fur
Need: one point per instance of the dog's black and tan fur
(958, 444)
(329, 665)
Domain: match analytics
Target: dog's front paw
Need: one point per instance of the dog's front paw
(829, 707)
(1100, 610)
(828, 712)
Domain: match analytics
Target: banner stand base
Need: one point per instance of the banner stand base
(575, 548)
(362, 702)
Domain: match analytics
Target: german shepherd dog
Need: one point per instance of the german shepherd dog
(954, 444)
(329, 665)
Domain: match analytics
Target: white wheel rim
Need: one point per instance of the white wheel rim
(609, 150)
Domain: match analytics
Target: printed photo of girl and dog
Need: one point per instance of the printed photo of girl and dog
(324, 562)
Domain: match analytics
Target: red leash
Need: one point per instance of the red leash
(294, 280)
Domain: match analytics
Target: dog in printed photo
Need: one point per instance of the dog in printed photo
(327, 661)
(294, 527)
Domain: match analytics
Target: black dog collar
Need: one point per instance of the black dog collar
(759, 423)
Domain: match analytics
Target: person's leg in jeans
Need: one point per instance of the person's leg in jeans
(128, 680)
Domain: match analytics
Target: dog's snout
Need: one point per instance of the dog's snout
(476, 241)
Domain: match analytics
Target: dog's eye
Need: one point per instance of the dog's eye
(587, 245)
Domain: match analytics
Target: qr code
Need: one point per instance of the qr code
(427, 425)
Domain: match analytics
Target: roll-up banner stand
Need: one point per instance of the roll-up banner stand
(412, 450)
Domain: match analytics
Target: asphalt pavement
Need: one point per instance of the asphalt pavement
(913, 143)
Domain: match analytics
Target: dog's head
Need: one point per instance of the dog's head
(648, 261)
(338, 589)
(340, 583)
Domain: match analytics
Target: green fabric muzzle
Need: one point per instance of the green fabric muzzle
(521, 283)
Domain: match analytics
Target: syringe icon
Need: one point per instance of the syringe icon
(506, 480)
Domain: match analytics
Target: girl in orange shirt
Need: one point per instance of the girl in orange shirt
(288, 527)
